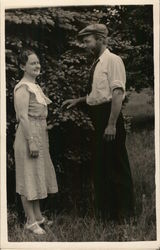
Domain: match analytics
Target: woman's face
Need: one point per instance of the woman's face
(32, 66)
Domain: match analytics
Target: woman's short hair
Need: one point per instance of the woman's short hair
(23, 56)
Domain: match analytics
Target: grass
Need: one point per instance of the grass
(67, 227)
(139, 104)
(140, 108)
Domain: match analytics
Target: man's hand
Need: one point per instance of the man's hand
(70, 103)
(110, 133)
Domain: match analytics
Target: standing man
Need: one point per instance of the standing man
(113, 188)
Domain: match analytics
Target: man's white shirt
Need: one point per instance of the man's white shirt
(109, 74)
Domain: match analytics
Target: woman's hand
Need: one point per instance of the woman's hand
(33, 149)
(70, 103)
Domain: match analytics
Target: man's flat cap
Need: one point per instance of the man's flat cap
(97, 28)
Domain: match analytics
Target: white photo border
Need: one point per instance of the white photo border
(10, 4)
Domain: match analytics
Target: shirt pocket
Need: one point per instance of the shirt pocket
(102, 82)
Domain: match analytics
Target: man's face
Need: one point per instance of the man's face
(92, 45)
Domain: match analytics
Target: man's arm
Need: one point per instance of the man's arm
(117, 98)
(73, 102)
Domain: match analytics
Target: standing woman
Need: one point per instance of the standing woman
(35, 173)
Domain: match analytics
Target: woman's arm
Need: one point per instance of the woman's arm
(22, 103)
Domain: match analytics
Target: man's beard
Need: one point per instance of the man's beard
(96, 52)
(93, 52)
(89, 52)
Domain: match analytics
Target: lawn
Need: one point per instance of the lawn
(140, 108)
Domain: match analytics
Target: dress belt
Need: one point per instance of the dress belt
(37, 117)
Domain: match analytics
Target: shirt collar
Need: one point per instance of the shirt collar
(103, 56)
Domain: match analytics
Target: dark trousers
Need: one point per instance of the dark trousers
(111, 174)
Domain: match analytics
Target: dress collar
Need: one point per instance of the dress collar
(35, 89)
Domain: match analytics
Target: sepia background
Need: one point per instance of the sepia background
(52, 33)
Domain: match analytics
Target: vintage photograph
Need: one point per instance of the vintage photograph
(80, 123)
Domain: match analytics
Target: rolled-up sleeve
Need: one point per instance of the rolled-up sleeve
(117, 74)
